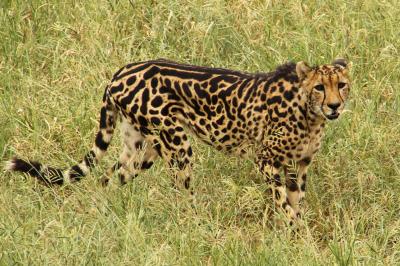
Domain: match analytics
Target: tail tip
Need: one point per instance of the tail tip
(20, 165)
(11, 164)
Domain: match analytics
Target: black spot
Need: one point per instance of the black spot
(293, 186)
(157, 101)
(131, 80)
(177, 140)
(288, 95)
(142, 121)
(229, 125)
(214, 99)
(122, 179)
(157, 147)
(76, 173)
(100, 143)
(146, 165)
(186, 90)
(199, 91)
(191, 116)
(145, 99)
(155, 121)
(103, 117)
(214, 83)
(307, 160)
(116, 89)
(189, 151)
(235, 102)
(208, 111)
(187, 183)
(167, 83)
(275, 99)
(300, 125)
(220, 121)
(277, 164)
(224, 139)
(153, 112)
(134, 109)
(154, 83)
(151, 72)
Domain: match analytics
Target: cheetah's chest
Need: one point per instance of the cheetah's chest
(311, 145)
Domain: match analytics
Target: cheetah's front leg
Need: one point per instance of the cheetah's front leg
(296, 184)
(270, 168)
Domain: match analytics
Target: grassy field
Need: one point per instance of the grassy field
(55, 60)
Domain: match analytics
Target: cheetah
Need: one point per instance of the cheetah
(280, 115)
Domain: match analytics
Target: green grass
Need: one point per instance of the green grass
(55, 60)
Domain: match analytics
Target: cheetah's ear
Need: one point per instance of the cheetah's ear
(302, 69)
(341, 62)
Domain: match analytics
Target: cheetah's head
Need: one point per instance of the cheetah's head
(327, 86)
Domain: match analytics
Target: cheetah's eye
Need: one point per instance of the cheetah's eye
(319, 87)
(341, 85)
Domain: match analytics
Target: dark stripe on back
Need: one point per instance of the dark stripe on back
(134, 70)
(209, 70)
(184, 74)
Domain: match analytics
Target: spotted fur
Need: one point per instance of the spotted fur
(278, 116)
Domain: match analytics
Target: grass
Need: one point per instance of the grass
(57, 56)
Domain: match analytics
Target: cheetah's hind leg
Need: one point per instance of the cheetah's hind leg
(137, 155)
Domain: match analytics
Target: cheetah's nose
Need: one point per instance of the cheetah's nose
(333, 106)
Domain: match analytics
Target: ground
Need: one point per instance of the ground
(55, 60)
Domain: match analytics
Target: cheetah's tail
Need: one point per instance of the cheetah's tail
(53, 176)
